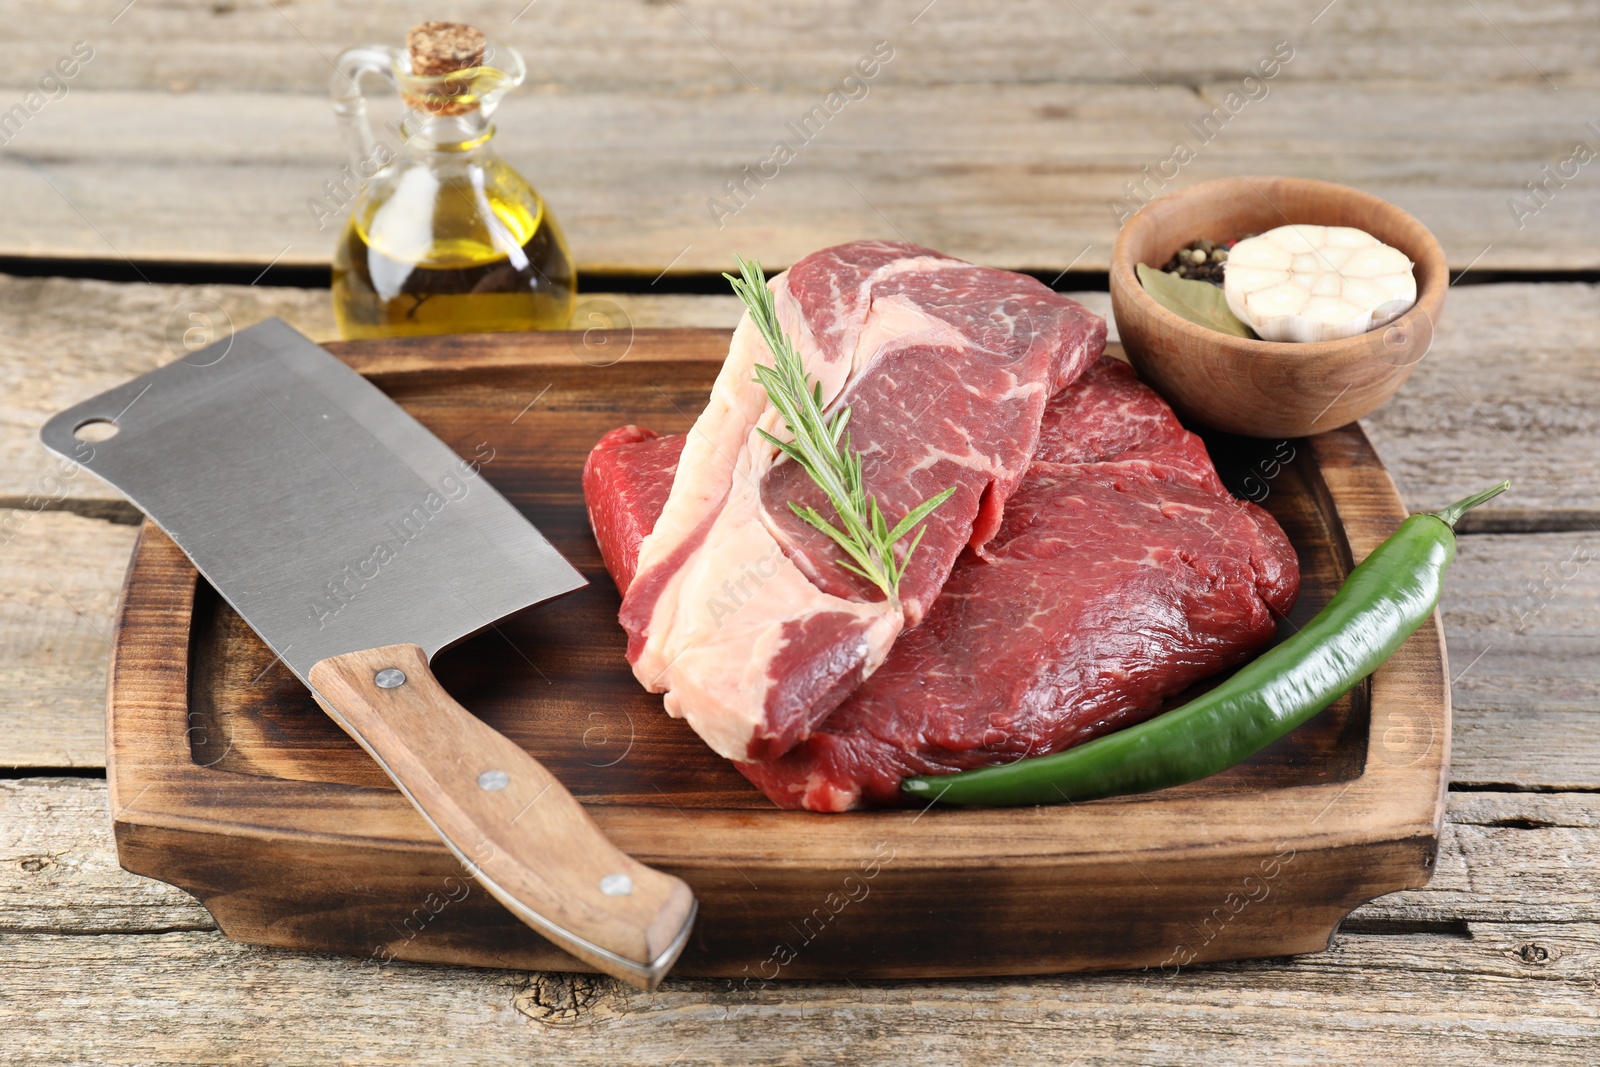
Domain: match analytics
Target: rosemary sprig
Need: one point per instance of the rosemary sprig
(821, 445)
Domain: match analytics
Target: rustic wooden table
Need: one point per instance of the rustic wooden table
(175, 172)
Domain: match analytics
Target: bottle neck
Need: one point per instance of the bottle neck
(446, 133)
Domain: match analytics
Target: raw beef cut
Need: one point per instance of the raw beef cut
(626, 481)
(1122, 573)
(739, 612)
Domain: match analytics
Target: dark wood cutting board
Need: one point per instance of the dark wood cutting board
(226, 780)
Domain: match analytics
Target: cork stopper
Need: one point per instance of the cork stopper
(444, 47)
(440, 48)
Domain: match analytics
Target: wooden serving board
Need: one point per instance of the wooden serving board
(226, 780)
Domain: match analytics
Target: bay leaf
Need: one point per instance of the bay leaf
(1200, 302)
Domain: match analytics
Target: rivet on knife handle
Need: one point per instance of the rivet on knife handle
(519, 832)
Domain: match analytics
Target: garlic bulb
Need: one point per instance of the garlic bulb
(1317, 283)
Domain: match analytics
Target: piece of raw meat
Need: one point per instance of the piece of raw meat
(739, 612)
(626, 481)
(1122, 573)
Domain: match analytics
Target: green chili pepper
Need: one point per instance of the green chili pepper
(1383, 601)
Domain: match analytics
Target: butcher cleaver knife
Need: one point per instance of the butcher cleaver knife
(358, 545)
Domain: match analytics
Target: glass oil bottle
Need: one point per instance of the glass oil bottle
(445, 237)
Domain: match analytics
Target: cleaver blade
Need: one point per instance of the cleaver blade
(358, 545)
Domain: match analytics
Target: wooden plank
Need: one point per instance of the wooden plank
(1504, 857)
(69, 338)
(59, 872)
(1495, 960)
(184, 998)
(1462, 997)
(1520, 614)
(1510, 390)
(66, 339)
(692, 45)
(59, 578)
(1024, 177)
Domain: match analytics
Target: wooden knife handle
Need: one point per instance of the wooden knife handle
(519, 832)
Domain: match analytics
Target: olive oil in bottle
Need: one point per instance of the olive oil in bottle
(446, 237)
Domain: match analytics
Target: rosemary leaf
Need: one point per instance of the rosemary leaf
(821, 446)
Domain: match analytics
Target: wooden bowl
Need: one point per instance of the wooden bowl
(1269, 388)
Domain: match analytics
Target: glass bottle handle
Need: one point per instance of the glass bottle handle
(350, 106)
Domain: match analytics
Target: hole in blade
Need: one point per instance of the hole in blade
(95, 430)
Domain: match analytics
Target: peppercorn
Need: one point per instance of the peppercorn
(1200, 260)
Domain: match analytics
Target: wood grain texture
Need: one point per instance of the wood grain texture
(1521, 612)
(523, 838)
(198, 45)
(1016, 176)
(1511, 857)
(59, 871)
(1508, 390)
(59, 577)
(67, 339)
(1506, 857)
(1464, 996)
(1507, 930)
(1494, 962)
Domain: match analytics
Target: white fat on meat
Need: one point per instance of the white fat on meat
(718, 622)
